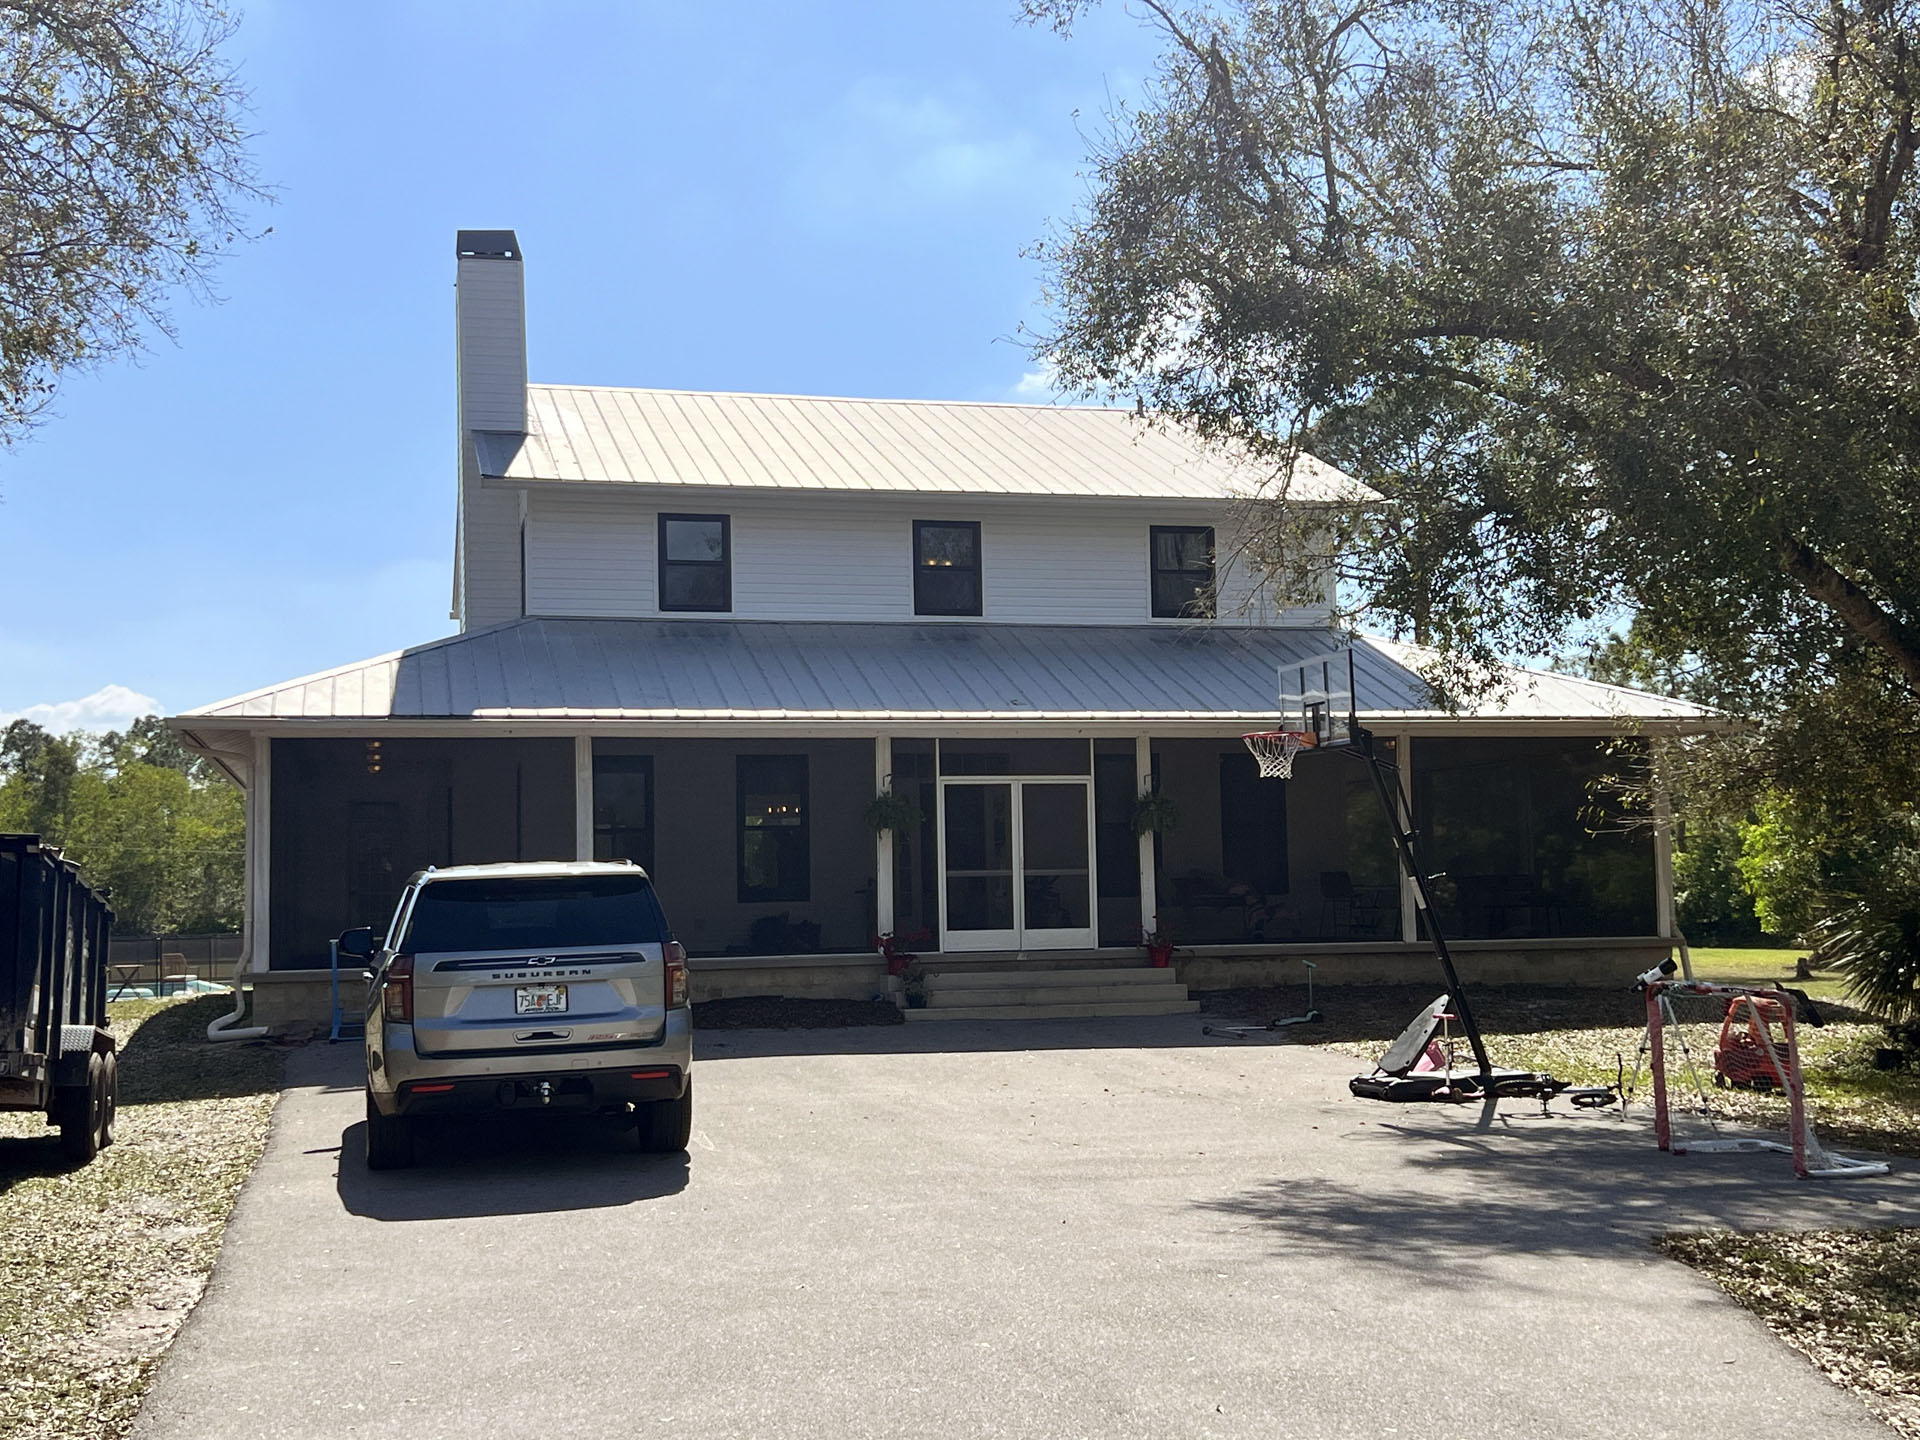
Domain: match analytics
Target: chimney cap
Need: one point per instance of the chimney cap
(487, 244)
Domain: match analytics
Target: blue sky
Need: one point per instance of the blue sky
(828, 199)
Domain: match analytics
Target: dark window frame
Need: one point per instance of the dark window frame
(800, 891)
(977, 570)
(724, 564)
(613, 763)
(1154, 572)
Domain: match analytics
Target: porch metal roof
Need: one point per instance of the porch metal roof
(850, 675)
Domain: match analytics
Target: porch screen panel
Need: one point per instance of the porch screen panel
(1016, 757)
(1529, 842)
(775, 854)
(354, 817)
(1054, 860)
(979, 856)
(1116, 850)
(915, 878)
(1253, 827)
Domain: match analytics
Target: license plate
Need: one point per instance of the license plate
(539, 999)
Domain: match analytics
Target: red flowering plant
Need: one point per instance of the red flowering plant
(889, 945)
(1157, 942)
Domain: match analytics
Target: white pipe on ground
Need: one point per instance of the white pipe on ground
(218, 1029)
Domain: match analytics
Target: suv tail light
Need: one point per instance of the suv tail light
(396, 992)
(675, 955)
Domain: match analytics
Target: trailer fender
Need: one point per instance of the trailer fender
(77, 1043)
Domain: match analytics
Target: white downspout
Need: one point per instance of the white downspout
(256, 788)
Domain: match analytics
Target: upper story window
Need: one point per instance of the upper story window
(696, 562)
(946, 567)
(1182, 557)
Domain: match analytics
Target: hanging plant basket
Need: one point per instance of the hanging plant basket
(1155, 814)
(888, 811)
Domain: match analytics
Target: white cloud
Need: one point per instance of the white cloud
(111, 707)
(883, 149)
(1041, 384)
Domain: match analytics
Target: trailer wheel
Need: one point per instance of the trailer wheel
(110, 1098)
(389, 1139)
(77, 1113)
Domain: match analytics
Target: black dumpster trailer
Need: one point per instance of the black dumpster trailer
(55, 1052)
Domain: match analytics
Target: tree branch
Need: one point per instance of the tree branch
(1864, 615)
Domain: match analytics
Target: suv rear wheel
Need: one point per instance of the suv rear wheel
(389, 1139)
(667, 1125)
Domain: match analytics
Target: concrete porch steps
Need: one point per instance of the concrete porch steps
(1052, 994)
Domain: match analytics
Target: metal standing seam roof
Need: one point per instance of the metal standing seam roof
(593, 435)
(704, 670)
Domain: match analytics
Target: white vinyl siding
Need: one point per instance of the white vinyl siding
(834, 558)
(585, 557)
(821, 562)
(489, 553)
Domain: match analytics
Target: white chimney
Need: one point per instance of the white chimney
(491, 311)
(490, 321)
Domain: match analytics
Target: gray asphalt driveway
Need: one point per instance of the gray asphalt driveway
(1110, 1228)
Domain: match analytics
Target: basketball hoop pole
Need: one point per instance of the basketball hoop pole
(1386, 780)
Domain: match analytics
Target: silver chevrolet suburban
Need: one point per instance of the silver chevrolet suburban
(553, 988)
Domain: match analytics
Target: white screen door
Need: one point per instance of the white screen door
(1016, 859)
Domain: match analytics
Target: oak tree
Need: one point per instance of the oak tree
(122, 167)
(1614, 303)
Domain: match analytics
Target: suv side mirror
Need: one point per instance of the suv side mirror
(357, 944)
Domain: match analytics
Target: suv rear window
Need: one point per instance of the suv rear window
(533, 913)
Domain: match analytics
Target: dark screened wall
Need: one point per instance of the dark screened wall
(1286, 861)
(351, 822)
(696, 825)
(1525, 844)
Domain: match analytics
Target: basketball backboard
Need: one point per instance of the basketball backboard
(1316, 698)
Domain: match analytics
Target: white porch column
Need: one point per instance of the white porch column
(1662, 857)
(257, 914)
(1143, 784)
(1409, 892)
(583, 797)
(883, 840)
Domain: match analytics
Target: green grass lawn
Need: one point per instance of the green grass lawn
(1742, 966)
(100, 1263)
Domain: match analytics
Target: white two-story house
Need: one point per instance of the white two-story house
(703, 631)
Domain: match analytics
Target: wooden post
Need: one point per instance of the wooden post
(1143, 784)
(1662, 858)
(883, 839)
(583, 797)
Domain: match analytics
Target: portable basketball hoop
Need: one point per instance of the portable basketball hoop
(1273, 750)
(1317, 711)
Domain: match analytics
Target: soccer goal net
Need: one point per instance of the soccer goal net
(1718, 1059)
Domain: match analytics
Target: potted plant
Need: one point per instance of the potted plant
(1159, 945)
(906, 976)
(890, 812)
(1155, 814)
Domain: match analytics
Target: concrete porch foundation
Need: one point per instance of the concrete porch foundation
(295, 1002)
